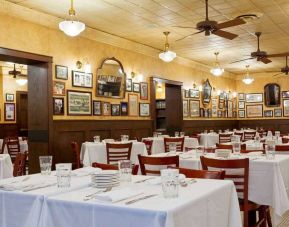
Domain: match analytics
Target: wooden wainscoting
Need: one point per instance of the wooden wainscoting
(8, 130)
(84, 130)
(281, 125)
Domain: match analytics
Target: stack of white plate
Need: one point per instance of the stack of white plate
(105, 179)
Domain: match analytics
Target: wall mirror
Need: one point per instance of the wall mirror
(111, 79)
(272, 95)
(207, 91)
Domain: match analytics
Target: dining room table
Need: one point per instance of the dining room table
(6, 166)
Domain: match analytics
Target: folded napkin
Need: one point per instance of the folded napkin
(118, 195)
(85, 171)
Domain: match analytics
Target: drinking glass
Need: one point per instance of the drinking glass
(125, 169)
(96, 139)
(124, 138)
(270, 151)
(235, 138)
(172, 148)
(159, 134)
(63, 172)
(205, 131)
(170, 182)
(177, 134)
(45, 163)
(182, 134)
(155, 134)
(236, 148)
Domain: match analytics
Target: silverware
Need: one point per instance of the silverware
(139, 199)
(141, 181)
(92, 196)
(185, 183)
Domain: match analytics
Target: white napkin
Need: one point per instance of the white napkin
(22, 185)
(117, 195)
(85, 171)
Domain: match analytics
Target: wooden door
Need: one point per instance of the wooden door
(22, 113)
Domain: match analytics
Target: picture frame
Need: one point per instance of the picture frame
(234, 114)
(133, 105)
(144, 109)
(207, 92)
(221, 103)
(195, 108)
(61, 72)
(97, 110)
(285, 94)
(185, 108)
(128, 85)
(115, 109)
(79, 103)
(58, 88)
(254, 97)
(254, 111)
(9, 97)
(58, 106)
(241, 113)
(222, 96)
(193, 93)
(285, 107)
(241, 96)
(124, 108)
(234, 103)
(144, 91)
(219, 113)
(106, 109)
(187, 94)
(278, 112)
(241, 104)
(82, 79)
(202, 112)
(268, 113)
(136, 87)
(9, 111)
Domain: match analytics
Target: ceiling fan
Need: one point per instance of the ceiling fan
(284, 70)
(213, 27)
(261, 55)
(15, 72)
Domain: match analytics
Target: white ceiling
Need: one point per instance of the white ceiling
(143, 21)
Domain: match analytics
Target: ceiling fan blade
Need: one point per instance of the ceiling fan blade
(184, 27)
(231, 23)
(265, 60)
(223, 34)
(187, 36)
(277, 55)
(242, 60)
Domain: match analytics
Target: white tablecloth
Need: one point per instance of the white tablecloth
(209, 139)
(23, 146)
(6, 166)
(96, 152)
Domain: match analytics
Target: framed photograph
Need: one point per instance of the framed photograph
(222, 96)
(58, 88)
(277, 112)
(285, 94)
(241, 113)
(221, 103)
(128, 85)
(241, 96)
(234, 103)
(268, 113)
(61, 72)
(9, 111)
(123, 108)
(241, 104)
(187, 94)
(254, 97)
(9, 97)
(234, 114)
(144, 91)
(194, 93)
(144, 109)
(195, 108)
(230, 113)
(214, 102)
(136, 87)
(219, 113)
(254, 111)
(82, 79)
(207, 92)
(115, 109)
(214, 111)
(97, 108)
(230, 105)
(58, 106)
(185, 108)
(286, 107)
(106, 109)
(132, 105)
(78, 103)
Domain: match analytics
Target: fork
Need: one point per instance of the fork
(91, 196)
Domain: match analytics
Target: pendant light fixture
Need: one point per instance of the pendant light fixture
(167, 55)
(71, 27)
(247, 79)
(217, 70)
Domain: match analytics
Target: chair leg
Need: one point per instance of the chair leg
(262, 216)
(252, 218)
(268, 217)
(246, 219)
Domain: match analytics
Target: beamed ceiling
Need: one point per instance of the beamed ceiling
(143, 21)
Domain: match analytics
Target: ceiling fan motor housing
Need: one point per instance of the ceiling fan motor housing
(207, 25)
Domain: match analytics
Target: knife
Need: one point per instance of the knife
(139, 199)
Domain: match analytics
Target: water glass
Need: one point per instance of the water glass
(170, 182)
(205, 131)
(270, 151)
(182, 134)
(177, 134)
(96, 139)
(235, 138)
(172, 148)
(124, 138)
(125, 170)
(236, 148)
(45, 163)
(155, 134)
(159, 134)
(63, 173)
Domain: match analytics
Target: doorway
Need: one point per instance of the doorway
(22, 113)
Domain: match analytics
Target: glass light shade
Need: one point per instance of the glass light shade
(217, 71)
(248, 80)
(167, 56)
(71, 27)
(21, 81)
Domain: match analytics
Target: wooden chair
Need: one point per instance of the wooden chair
(13, 147)
(149, 144)
(156, 161)
(178, 141)
(224, 138)
(224, 146)
(249, 135)
(241, 181)
(114, 167)
(239, 134)
(118, 151)
(281, 147)
(76, 152)
(206, 174)
(284, 140)
(19, 164)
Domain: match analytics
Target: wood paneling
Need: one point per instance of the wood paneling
(8, 130)
(276, 124)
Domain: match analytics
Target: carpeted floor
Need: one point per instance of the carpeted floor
(285, 221)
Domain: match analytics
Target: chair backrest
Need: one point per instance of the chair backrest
(19, 164)
(76, 153)
(224, 138)
(13, 146)
(249, 135)
(113, 167)
(224, 146)
(239, 134)
(285, 140)
(118, 151)
(178, 141)
(149, 144)
(159, 162)
(281, 147)
(207, 174)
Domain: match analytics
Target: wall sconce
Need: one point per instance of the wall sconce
(85, 66)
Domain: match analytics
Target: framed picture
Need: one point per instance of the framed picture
(144, 91)
(207, 92)
(187, 94)
(9, 111)
(234, 103)
(78, 103)
(97, 108)
(268, 113)
(285, 94)
(214, 102)
(277, 112)
(144, 109)
(222, 96)
(221, 103)
(194, 93)
(128, 85)
(241, 96)
(241, 104)
(195, 108)
(61, 72)
(254, 111)
(234, 114)
(132, 105)
(241, 113)
(286, 107)
(202, 112)
(219, 113)
(214, 111)
(254, 97)
(185, 108)
(115, 109)
(58, 88)
(58, 106)
(136, 87)
(230, 105)
(81, 79)
(9, 97)
(106, 109)
(123, 108)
